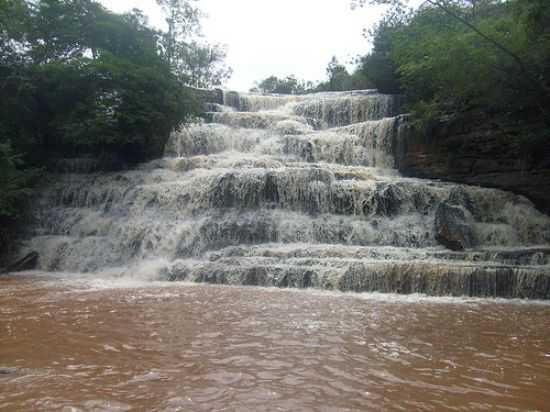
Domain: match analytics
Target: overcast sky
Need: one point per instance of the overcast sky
(278, 37)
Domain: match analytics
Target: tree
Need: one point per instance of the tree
(377, 67)
(289, 85)
(13, 182)
(79, 81)
(202, 65)
(15, 190)
(183, 20)
(87, 81)
(472, 51)
(338, 76)
(268, 85)
(197, 64)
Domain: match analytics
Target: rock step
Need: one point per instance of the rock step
(253, 120)
(428, 278)
(370, 143)
(529, 256)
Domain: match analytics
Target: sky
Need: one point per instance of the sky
(276, 37)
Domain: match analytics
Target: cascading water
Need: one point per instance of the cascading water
(294, 191)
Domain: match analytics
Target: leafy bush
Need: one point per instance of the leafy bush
(15, 186)
(79, 81)
(456, 54)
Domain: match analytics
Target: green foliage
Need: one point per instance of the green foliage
(378, 67)
(288, 85)
(197, 64)
(13, 182)
(79, 81)
(15, 190)
(202, 65)
(338, 76)
(183, 20)
(338, 79)
(455, 54)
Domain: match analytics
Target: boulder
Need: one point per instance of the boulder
(453, 226)
(28, 262)
(460, 197)
(389, 200)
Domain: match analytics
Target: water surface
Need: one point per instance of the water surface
(95, 345)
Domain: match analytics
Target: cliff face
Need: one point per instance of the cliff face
(482, 149)
(207, 95)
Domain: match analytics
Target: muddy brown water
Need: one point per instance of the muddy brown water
(86, 345)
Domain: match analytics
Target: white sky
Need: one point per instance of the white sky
(276, 37)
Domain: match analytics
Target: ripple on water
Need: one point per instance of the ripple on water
(198, 348)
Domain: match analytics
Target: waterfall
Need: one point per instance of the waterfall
(293, 191)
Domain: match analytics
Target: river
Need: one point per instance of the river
(82, 343)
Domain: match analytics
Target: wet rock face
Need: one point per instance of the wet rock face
(453, 226)
(486, 149)
(271, 194)
(27, 262)
(206, 96)
(454, 220)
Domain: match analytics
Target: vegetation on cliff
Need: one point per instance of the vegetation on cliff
(457, 54)
(80, 81)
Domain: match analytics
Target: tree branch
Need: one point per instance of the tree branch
(494, 42)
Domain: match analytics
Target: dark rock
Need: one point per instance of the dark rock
(206, 95)
(219, 232)
(459, 197)
(388, 201)
(271, 189)
(299, 278)
(255, 276)
(233, 99)
(478, 148)
(7, 371)
(223, 192)
(208, 117)
(29, 262)
(453, 226)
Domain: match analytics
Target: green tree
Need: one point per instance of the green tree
(338, 76)
(288, 85)
(458, 54)
(378, 67)
(268, 85)
(79, 81)
(202, 65)
(14, 192)
(87, 81)
(183, 20)
(197, 64)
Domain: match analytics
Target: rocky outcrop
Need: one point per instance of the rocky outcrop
(480, 148)
(454, 220)
(28, 262)
(435, 278)
(207, 95)
(453, 227)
